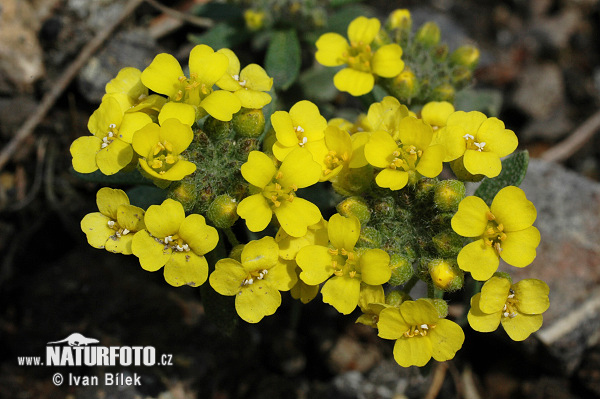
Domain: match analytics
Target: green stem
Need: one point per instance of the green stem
(434, 292)
(231, 237)
(410, 284)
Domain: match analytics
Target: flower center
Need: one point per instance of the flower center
(174, 243)
(494, 233)
(405, 157)
(277, 193)
(344, 263)
(358, 57)
(111, 134)
(254, 276)
(191, 90)
(302, 139)
(162, 158)
(472, 144)
(241, 82)
(119, 231)
(418, 331)
(332, 161)
(509, 309)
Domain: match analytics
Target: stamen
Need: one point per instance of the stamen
(125, 232)
(304, 141)
(111, 223)
(468, 137)
(479, 146)
(112, 126)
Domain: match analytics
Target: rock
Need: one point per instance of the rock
(568, 259)
(540, 90)
(127, 49)
(349, 354)
(21, 58)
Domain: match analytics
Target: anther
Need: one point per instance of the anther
(111, 223)
(468, 137)
(125, 232)
(304, 141)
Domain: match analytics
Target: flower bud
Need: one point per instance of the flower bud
(445, 274)
(185, 192)
(441, 52)
(400, 19)
(384, 208)
(223, 211)
(428, 34)
(447, 243)
(405, 85)
(444, 92)
(354, 182)
(467, 56)
(461, 76)
(249, 122)
(503, 275)
(236, 252)
(402, 269)
(448, 194)
(414, 177)
(255, 20)
(216, 129)
(369, 237)
(440, 305)
(395, 298)
(355, 206)
(425, 188)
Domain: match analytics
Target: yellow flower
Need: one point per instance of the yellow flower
(256, 280)
(436, 113)
(277, 192)
(304, 292)
(480, 140)
(414, 153)
(386, 115)
(128, 82)
(109, 148)
(518, 307)
(114, 226)
(160, 146)
(302, 127)
(357, 79)
(343, 152)
(176, 242)
(255, 20)
(371, 303)
(165, 76)
(352, 270)
(289, 245)
(503, 230)
(420, 333)
(249, 85)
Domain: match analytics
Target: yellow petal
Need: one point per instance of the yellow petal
(363, 30)
(256, 78)
(387, 61)
(182, 112)
(394, 179)
(494, 294)
(330, 49)
(415, 132)
(151, 253)
(512, 208)
(283, 275)
(295, 217)
(200, 237)
(208, 65)
(186, 268)
(315, 262)
(178, 171)
(522, 326)
(299, 169)
(131, 218)
(430, 164)
(259, 170)
(519, 247)
(436, 113)
(162, 75)
(496, 138)
(343, 231)
(221, 105)
(379, 149)
(145, 139)
(164, 220)
(479, 259)
(419, 312)
(342, 293)
(109, 200)
(470, 121)
(415, 351)
(114, 157)
(480, 321)
(306, 115)
(127, 81)
(391, 324)
(109, 112)
(304, 292)
(179, 135)
(228, 277)
(256, 301)
(84, 150)
(482, 163)
(452, 138)
(354, 82)
(375, 267)
(370, 294)
(233, 68)
(532, 295)
(132, 122)
(255, 211)
(470, 220)
(284, 128)
(446, 339)
(260, 254)
(120, 245)
(252, 99)
(95, 227)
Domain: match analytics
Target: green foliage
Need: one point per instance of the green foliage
(283, 58)
(513, 172)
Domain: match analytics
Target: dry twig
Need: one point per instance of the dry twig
(439, 375)
(61, 84)
(569, 146)
(191, 19)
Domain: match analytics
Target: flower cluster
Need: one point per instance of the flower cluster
(204, 140)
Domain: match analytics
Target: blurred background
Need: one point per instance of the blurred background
(539, 72)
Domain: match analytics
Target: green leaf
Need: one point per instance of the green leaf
(118, 179)
(317, 83)
(339, 21)
(222, 35)
(218, 11)
(488, 101)
(513, 172)
(282, 62)
(340, 3)
(144, 196)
